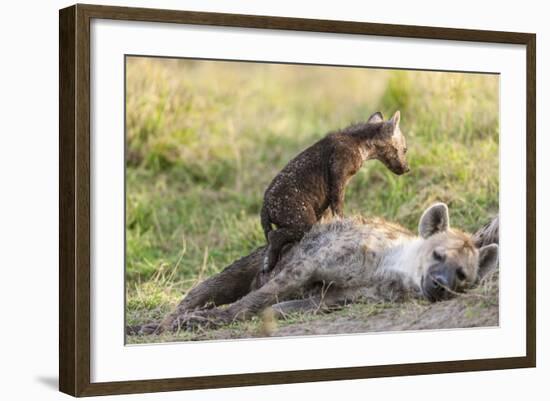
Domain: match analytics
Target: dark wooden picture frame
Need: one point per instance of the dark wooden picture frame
(74, 199)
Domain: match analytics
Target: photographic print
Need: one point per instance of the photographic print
(270, 199)
(264, 187)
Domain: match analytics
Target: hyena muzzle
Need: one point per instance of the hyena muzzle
(338, 262)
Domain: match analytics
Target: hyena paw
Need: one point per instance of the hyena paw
(151, 328)
(192, 321)
(133, 330)
(143, 330)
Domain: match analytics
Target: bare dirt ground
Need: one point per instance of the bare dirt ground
(476, 308)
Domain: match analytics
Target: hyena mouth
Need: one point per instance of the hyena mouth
(436, 289)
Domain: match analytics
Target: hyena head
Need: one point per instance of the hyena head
(449, 260)
(390, 146)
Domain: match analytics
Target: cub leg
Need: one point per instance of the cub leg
(293, 219)
(336, 196)
(343, 166)
(277, 240)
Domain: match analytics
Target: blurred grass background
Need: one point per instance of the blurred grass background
(205, 138)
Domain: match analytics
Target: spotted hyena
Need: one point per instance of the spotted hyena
(342, 261)
(315, 180)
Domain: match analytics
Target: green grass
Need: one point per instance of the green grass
(204, 139)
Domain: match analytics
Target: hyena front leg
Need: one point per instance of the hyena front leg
(310, 304)
(290, 279)
(329, 299)
(341, 171)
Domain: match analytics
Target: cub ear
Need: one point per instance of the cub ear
(376, 118)
(488, 260)
(396, 118)
(434, 220)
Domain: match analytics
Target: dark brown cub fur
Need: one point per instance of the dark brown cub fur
(315, 180)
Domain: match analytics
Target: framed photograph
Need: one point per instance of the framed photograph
(250, 200)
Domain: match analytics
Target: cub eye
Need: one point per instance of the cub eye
(405, 150)
(438, 255)
(460, 274)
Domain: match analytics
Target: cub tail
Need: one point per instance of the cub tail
(266, 222)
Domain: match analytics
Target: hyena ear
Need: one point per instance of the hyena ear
(396, 118)
(376, 118)
(488, 260)
(434, 220)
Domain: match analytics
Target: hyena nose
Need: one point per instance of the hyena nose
(440, 282)
(437, 286)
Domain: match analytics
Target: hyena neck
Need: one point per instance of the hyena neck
(403, 259)
(364, 132)
(367, 152)
(364, 135)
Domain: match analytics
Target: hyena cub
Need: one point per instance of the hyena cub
(315, 180)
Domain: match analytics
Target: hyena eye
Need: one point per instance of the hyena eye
(438, 255)
(460, 274)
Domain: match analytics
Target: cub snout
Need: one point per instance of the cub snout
(400, 168)
(404, 169)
